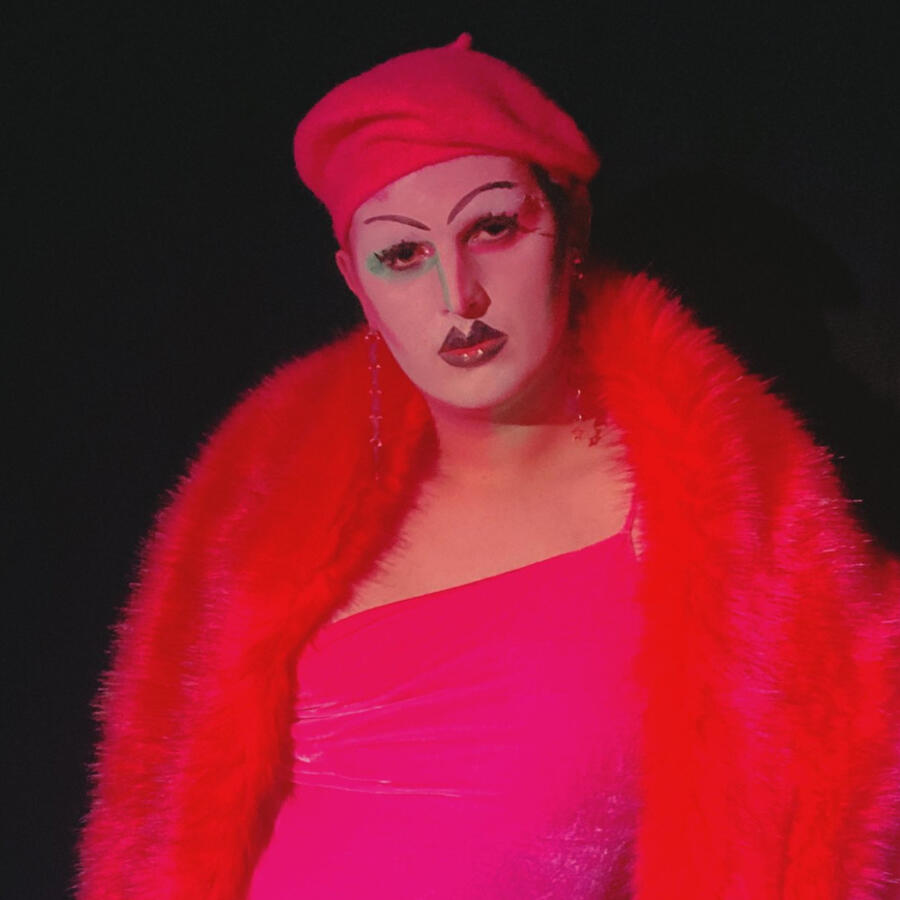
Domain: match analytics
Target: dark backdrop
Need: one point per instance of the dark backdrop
(165, 257)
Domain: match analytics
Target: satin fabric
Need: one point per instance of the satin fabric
(478, 741)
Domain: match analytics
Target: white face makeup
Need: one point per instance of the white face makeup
(454, 265)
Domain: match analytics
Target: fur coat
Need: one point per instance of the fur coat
(771, 654)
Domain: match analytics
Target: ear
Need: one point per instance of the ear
(347, 269)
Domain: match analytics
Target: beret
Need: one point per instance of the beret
(426, 107)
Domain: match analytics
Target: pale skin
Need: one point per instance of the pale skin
(465, 240)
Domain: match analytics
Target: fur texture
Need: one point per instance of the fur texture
(771, 655)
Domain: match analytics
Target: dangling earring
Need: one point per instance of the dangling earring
(373, 339)
(576, 266)
(578, 429)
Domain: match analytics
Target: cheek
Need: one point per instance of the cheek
(398, 318)
(524, 284)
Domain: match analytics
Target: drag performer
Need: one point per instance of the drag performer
(524, 588)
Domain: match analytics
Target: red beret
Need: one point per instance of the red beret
(427, 107)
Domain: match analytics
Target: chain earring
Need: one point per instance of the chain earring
(579, 429)
(373, 339)
(577, 262)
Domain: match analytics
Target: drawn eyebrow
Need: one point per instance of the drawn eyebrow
(491, 185)
(403, 220)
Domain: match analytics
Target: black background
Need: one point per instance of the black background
(164, 257)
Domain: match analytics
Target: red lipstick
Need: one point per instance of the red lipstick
(480, 345)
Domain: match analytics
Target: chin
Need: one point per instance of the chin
(474, 402)
(497, 391)
(496, 385)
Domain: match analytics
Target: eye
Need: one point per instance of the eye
(493, 228)
(404, 256)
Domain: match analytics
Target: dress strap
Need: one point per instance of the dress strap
(632, 514)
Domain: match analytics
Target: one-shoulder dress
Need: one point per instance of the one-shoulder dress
(473, 742)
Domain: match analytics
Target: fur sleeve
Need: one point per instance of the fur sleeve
(162, 650)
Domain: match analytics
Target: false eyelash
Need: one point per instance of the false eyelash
(392, 253)
(501, 216)
(509, 219)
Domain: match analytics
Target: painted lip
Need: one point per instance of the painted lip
(474, 355)
(478, 334)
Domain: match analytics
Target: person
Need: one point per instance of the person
(524, 588)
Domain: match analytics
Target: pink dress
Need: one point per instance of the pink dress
(475, 742)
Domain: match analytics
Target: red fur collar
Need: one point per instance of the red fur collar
(770, 655)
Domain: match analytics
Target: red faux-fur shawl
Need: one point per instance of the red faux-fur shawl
(770, 653)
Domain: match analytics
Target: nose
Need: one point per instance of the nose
(463, 293)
